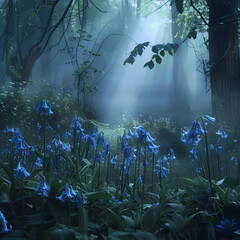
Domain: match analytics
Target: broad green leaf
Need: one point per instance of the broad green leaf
(155, 49)
(220, 192)
(99, 195)
(158, 59)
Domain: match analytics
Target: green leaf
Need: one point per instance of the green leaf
(158, 59)
(99, 195)
(67, 158)
(151, 64)
(162, 53)
(155, 49)
(220, 192)
(140, 51)
(230, 182)
(129, 221)
(116, 218)
(144, 235)
(189, 181)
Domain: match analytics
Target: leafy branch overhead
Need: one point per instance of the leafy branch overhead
(138, 50)
(159, 51)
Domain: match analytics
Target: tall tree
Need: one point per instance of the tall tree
(224, 59)
(29, 38)
(181, 107)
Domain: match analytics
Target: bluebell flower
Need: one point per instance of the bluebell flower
(210, 119)
(68, 193)
(152, 148)
(129, 155)
(114, 160)
(107, 148)
(192, 137)
(126, 194)
(44, 108)
(139, 179)
(38, 126)
(48, 127)
(17, 138)
(93, 132)
(90, 140)
(198, 170)
(193, 154)
(66, 147)
(43, 188)
(165, 160)
(227, 227)
(171, 154)
(234, 160)
(21, 172)
(235, 140)
(100, 139)
(67, 134)
(3, 223)
(130, 133)
(114, 200)
(8, 130)
(219, 150)
(79, 198)
(38, 162)
(211, 147)
(100, 157)
(159, 162)
(141, 133)
(164, 172)
(222, 135)
(76, 124)
(142, 152)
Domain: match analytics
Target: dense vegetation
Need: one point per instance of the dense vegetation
(70, 181)
(66, 175)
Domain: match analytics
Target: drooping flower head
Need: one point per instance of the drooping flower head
(192, 137)
(43, 188)
(171, 154)
(3, 223)
(44, 108)
(76, 124)
(227, 228)
(193, 154)
(79, 198)
(100, 139)
(107, 148)
(6, 129)
(21, 172)
(68, 193)
(219, 150)
(222, 135)
(234, 159)
(210, 119)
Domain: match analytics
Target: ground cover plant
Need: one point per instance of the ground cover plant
(72, 183)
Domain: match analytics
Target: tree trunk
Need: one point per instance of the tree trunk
(22, 76)
(181, 107)
(224, 60)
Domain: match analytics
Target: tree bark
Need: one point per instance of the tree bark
(181, 107)
(224, 60)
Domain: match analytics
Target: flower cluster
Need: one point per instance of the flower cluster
(76, 197)
(192, 137)
(3, 223)
(43, 188)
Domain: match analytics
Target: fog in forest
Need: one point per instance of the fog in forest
(134, 88)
